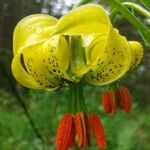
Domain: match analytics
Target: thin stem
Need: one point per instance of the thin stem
(134, 6)
(113, 14)
(82, 97)
(138, 8)
(76, 98)
(125, 12)
(71, 98)
(144, 31)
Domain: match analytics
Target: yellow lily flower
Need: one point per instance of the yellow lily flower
(80, 45)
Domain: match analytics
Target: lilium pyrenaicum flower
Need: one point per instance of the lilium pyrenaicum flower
(49, 53)
(81, 45)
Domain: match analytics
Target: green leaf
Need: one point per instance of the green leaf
(146, 3)
(143, 30)
(146, 36)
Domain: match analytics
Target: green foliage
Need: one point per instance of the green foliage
(146, 3)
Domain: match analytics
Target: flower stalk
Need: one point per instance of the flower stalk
(143, 30)
(76, 98)
(138, 8)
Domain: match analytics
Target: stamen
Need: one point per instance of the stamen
(106, 102)
(98, 131)
(65, 133)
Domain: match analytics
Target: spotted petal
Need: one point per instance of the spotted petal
(113, 60)
(22, 75)
(82, 24)
(44, 63)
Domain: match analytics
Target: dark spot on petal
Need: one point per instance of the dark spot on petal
(23, 63)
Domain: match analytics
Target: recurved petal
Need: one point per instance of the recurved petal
(21, 74)
(56, 56)
(37, 67)
(95, 50)
(137, 53)
(113, 60)
(32, 29)
(87, 19)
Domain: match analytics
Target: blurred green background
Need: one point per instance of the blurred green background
(29, 118)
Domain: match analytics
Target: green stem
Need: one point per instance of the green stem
(126, 13)
(71, 98)
(138, 8)
(82, 98)
(113, 14)
(79, 106)
(144, 31)
(76, 99)
(134, 6)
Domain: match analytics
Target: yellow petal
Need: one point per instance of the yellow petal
(38, 68)
(137, 53)
(47, 62)
(31, 30)
(21, 74)
(87, 19)
(56, 56)
(85, 22)
(113, 60)
(96, 49)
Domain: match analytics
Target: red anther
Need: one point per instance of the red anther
(87, 123)
(113, 102)
(126, 98)
(98, 131)
(106, 102)
(79, 129)
(86, 129)
(65, 133)
(82, 129)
